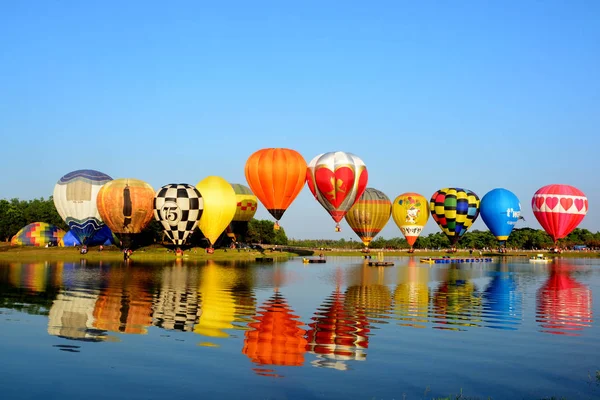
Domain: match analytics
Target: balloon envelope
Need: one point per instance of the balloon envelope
(337, 180)
(178, 208)
(500, 210)
(454, 210)
(38, 234)
(410, 212)
(246, 203)
(126, 205)
(276, 176)
(75, 200)
(219, 206)
(369, 215)
(559, 209)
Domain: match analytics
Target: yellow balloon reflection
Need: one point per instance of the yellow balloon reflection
(411, 297)
(564, 306)
(223, 306)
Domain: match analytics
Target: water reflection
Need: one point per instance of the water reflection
(411, 296)
(227, 301)
(276, 336)
(338, 333)
(72, 317)
(564, 305)
(502, 302)
(369, 294)
(456, 302)
(176, 304)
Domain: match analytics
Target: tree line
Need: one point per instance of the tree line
(520, 238)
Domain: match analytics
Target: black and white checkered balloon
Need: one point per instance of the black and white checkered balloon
(178, 207)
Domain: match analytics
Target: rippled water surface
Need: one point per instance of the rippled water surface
(288, 330)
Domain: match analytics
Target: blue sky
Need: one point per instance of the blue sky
(429, 94)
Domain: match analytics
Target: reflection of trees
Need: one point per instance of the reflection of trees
(564, 306)
(502, 302)
(227, 301)
(337, 334)
(275, 338)
(455, 301)
(125, 303)
(411, 297)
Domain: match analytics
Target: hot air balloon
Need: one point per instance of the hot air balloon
(559, 209)
(410, 212)
(454, 210)
(178, 207)
(500, 210)
(246, 205)
(369, 214)
(337, 180)
(219, 206)
(126, 206)
(276, 176)
(38, 234)
(75, 200)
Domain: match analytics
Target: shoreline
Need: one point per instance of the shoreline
(159, 253)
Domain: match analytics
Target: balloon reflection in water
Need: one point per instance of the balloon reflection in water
(226, 302)
(276, 337)
(502, 302)
(72, 316)
(338, 333)
(456, 303)
(176, 303)
(30, 276)
(411, 297)
(124, 305)
(564, 306)
(371, 296)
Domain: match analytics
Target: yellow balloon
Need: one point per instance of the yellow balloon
(369, 214)
(410, 212)
(219, 206)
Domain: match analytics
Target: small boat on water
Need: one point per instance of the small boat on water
(314, 260)
(380, 264)
(540, 258)
(453, 260)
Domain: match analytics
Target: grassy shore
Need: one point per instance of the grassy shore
(160, 253)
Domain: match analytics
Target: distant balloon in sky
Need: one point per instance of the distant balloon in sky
(559, 209)
(178, 208)
(276, 176)
(410, 212)
(369, 215)
(337, 180)
(75, 200)
(219, 206)
(454, 210)
(126, 206)
(500, 210)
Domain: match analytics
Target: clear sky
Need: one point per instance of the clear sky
(473, 94)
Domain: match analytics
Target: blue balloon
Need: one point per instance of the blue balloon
(500, 209)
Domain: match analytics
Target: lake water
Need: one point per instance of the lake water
(341, 330)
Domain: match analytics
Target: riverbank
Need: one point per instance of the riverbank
(160, 253)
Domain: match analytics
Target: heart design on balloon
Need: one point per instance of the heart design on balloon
(335, 185)
(539, 201)
(566, 203)
(551, 202)
(578, 204)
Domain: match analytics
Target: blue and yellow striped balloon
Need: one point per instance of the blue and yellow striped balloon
(454, 210)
